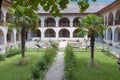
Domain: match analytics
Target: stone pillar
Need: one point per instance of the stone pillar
(42, 34)
(5, 35)
(57, 22)
(113, 35)
(14, 32)
(71, 21)
(107, 20)
(42, 21)
(71, 33)
(114, 14)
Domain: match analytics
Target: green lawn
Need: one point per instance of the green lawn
(108, 69)
(10, 71)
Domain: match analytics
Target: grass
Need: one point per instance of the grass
(10, 71)
(108, 69)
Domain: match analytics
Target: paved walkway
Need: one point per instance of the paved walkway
(56, 72)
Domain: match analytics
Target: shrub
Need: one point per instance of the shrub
(54, 46)
(69, 63)
(44, 63)
(12, 51)
(2, 57)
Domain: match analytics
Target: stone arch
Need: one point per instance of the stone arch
(76, 22)
(75, 33)
(117, 17)
(1, 37)
(49, 33)
(110, 19)
(64, 22)
(64, 33)
(109, 34)
(117, 34)
(49, 22)
(37, 33)
(10, 36)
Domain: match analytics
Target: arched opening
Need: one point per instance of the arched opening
(1, 37)
(39, 23)
(10, 36)
(49, 22)
(109, 36)
(49, 33)
(117, 35)
(110, 19)
(117, 17)
(64, 33)
(36, 34)
(76, 22)
(64, 22)
(75, 34)
(18, 36)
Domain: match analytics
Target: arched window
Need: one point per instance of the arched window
(76, 22)
(64, 22)
(49, 33)
(64, 33)
(49, 22)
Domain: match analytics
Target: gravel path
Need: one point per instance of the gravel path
(56, 71)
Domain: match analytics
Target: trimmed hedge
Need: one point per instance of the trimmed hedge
(44, 63)
(70, 62)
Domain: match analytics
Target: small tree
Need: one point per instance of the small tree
(25, 19)
(92, 25)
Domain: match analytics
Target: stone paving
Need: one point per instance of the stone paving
(56, 72)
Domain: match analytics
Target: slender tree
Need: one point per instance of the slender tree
(21, 19)
(92, 25)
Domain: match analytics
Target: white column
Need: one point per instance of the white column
(57, 22)
(57, 33)
(113, 37)
(107, 19)
(71, 21)
(71, 33)
(14, 32)
(5, 35)
(42, 34)
(42, 21)
(114, 14)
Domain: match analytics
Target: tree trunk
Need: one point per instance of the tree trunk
(92, 40)
(23, 38)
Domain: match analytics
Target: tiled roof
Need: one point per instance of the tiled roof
(74, 8)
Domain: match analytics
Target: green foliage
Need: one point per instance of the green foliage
(108, 69)
(12, 51)
(70, 62)
(44, 63)
(92, 24)
(8, 67)
(52, 6)
(2, 57)
(54, 46)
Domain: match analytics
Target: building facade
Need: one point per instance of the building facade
(65, 27)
